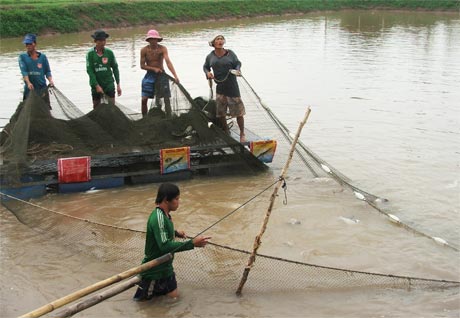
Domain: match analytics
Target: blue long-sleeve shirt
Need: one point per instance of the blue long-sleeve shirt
(36, 70)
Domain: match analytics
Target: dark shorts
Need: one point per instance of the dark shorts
(147, 289)
(155, 84)
(98, 96)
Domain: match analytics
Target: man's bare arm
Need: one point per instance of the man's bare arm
(170, 64)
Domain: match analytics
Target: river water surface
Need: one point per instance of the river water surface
(384, 93)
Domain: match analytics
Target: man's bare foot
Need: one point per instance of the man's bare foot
(242, 138)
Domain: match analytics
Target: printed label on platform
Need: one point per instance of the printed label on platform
(263, 150)
(174, 159)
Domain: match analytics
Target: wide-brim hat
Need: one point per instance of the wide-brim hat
(99, 35)
(153, 34)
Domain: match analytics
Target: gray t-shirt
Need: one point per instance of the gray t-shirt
(226, 82)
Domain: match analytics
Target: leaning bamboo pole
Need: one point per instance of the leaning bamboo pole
(257, 241)
(96, 299)
(99, 285)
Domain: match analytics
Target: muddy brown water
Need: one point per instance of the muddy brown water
(383, 88)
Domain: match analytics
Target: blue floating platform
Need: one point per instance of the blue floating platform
(103, 183)
(24, 193)
(155, 177)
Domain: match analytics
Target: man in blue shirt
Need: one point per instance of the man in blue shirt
(34, 68)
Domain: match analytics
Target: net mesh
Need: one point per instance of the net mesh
(216, 266)
(36, 134)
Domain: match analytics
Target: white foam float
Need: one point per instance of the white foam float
(359, 195)
(326, 168)
(394, 218)
(439, 240)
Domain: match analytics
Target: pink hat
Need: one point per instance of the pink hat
(153, 34)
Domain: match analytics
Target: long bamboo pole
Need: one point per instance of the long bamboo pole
(99, 285)
(96, 299)
(257, 241)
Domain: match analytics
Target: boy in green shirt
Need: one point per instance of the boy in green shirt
(161, 280)
(102, 67)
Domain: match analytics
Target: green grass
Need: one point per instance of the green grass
(20, 16)
(38, 3)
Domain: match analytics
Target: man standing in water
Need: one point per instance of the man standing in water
(102, 67)
(34, 68)
(161, 280)
(225, 67)
(152, 57)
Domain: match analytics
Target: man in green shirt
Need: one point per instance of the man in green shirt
(161, 280)
(102, 67)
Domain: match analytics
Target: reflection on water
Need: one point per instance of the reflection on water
(382, 86)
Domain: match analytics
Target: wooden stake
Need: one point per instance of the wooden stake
(257, 241)
(104, 283)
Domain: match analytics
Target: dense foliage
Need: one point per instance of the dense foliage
(41, 16)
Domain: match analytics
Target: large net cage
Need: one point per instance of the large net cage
(118, 139)
(36, 134)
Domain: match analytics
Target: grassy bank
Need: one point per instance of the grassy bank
(63, 16)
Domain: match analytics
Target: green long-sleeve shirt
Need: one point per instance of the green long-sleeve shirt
(160, 241)
(102, 69)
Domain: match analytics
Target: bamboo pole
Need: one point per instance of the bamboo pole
(95, 299)
(99, 285)
(257, 241)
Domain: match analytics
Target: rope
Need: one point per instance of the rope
(211, 93)
(211, 96)
(283, 129)
(230, 213)
(121, 228)
(67, 215)
(408, 278)
(360, 194)
(225, 78)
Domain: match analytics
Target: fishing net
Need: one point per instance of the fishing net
(109, 129)
(216, 266)
(118, 139)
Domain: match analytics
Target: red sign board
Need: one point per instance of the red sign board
(76, 169)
